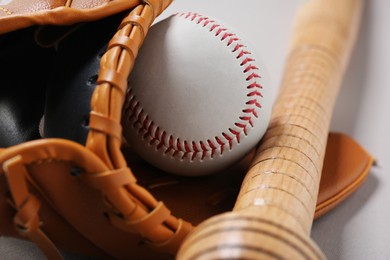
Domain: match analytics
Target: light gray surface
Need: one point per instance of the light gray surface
(359, 228)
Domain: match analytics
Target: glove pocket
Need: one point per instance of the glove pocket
(45, 199)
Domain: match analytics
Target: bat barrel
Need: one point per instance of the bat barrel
(273, 214)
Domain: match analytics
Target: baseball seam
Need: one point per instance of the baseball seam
(191, 149)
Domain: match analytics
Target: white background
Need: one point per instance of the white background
(360, 227)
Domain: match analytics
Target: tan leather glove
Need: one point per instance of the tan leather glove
(79, 189)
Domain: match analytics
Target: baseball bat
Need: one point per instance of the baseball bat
(273, 214)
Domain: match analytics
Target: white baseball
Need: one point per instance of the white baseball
(198, 98)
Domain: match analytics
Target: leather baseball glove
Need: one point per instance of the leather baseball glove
(79, 189)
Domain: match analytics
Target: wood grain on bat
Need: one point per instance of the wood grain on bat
(274, 211)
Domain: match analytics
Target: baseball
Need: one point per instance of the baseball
(198, 98)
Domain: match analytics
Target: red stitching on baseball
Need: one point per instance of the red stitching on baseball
(212, 146)
(193, 16)
(187, 147)
(213, 27)
(204, 149)
(187, 150)
(145, 124)
(161, 140)
(237, 47)
(250, 111)
(237, 133)
(225, 35)
(156, 136)
(201, 19)
(170, 145)
(221, 143)
(254, 93)
(219, 31)
(178, 145)
(229, 139)
(207, 22)
(246, 60)
(250, 67)
(252, 76)
(191, 149)
(139, 119)
(231, 40)
(149, 130)
(242, 53)
(247, 118)
(254, 85)
(253, 102)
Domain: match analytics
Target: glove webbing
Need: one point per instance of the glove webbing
(134, 209)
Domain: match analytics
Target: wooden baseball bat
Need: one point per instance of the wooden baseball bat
(273, 214)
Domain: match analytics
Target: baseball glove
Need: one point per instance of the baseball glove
(79, 189)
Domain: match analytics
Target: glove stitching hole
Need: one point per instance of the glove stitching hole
(92, 80)
(76, 171)
(85, 122)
